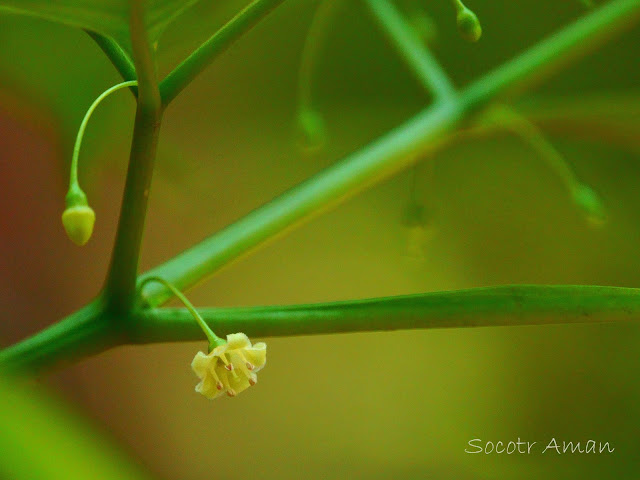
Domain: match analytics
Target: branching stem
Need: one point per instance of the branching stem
(417, 56)
(118, 57)
(389, 154)
(121, 281)
(93, 327)
(214, 340)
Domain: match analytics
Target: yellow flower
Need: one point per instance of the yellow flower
(230, 367)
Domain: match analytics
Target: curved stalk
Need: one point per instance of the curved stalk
(214, 340)
(313, 42)
(83, 126)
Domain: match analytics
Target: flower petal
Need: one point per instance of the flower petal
(200, 364)
(257, 355)
(239, 383)
(208, 387)
(237, 340)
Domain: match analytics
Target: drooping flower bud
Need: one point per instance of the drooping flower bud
(78, 222)
(312, 129)
(468, 23)
(590, 204)
(78, 217)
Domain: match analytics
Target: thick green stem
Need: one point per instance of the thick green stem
(384, 157)
(121, 281)
(193, 65)
(417, 56)
(85, 332)
(479, 307)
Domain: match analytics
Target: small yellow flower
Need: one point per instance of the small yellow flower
(230, 367)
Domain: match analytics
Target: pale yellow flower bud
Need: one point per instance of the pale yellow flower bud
(78, 222)
(229, 368)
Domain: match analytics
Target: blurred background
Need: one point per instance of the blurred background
(496, 214)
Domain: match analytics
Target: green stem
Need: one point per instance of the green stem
(193, 65)
(564, 46)
(85, 332)
(121, 280)
(118, 57)
(416, 55)
(384, 157)
(479, 307)
(380, 160)
(508, 118)
(313, 42)
(214, 340)
(73, 181)
(608, 118)
(91, 328)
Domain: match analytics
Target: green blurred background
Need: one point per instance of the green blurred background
(365, 406)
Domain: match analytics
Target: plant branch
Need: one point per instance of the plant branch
(381, 159)
(537, 63)
(193, 65)
(118, 57)
(92, 329)
(415, 54)
(121, 280)
(479, 307)
(608, 118)
(385, 156)
(85, 332)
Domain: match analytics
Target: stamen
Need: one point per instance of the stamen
(225, 382)
(213, 373)
(240, 363)
(250, 366)
(224, 360)
(231, 393)
(253, 379)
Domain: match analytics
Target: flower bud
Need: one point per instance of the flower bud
(78, 222)
(468, 25)
(590, 204)
(312, 129)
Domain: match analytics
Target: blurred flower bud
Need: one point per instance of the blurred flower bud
(312, 129)
(468, 25)
(590, 204)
